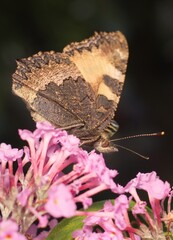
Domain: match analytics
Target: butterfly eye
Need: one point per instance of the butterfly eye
(104, 146)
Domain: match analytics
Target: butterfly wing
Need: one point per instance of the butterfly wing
(102, 61)
(78, 89)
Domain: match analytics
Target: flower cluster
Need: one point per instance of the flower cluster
(113, 221)
(47, 178)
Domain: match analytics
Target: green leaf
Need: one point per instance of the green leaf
(67, 226)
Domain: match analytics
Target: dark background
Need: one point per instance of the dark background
(146, 102)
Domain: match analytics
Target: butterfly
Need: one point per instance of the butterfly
(79, 89)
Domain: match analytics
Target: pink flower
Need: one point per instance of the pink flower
(9, 230)
(120, 212)
(157, 192)
(70, 144)
(155, 187)
(7, 153)
(23, 196)
(150, 182)
(60, 202)
(112, 219)
(98, 166)
(139, 208)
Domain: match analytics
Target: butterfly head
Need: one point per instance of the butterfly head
(104, 145)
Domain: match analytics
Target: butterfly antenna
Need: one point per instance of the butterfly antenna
(139, 135)
(136, 136)
(130, 150)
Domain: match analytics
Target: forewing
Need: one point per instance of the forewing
(36, 81)
(102, 61)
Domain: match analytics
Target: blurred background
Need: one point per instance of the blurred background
(146, 102)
